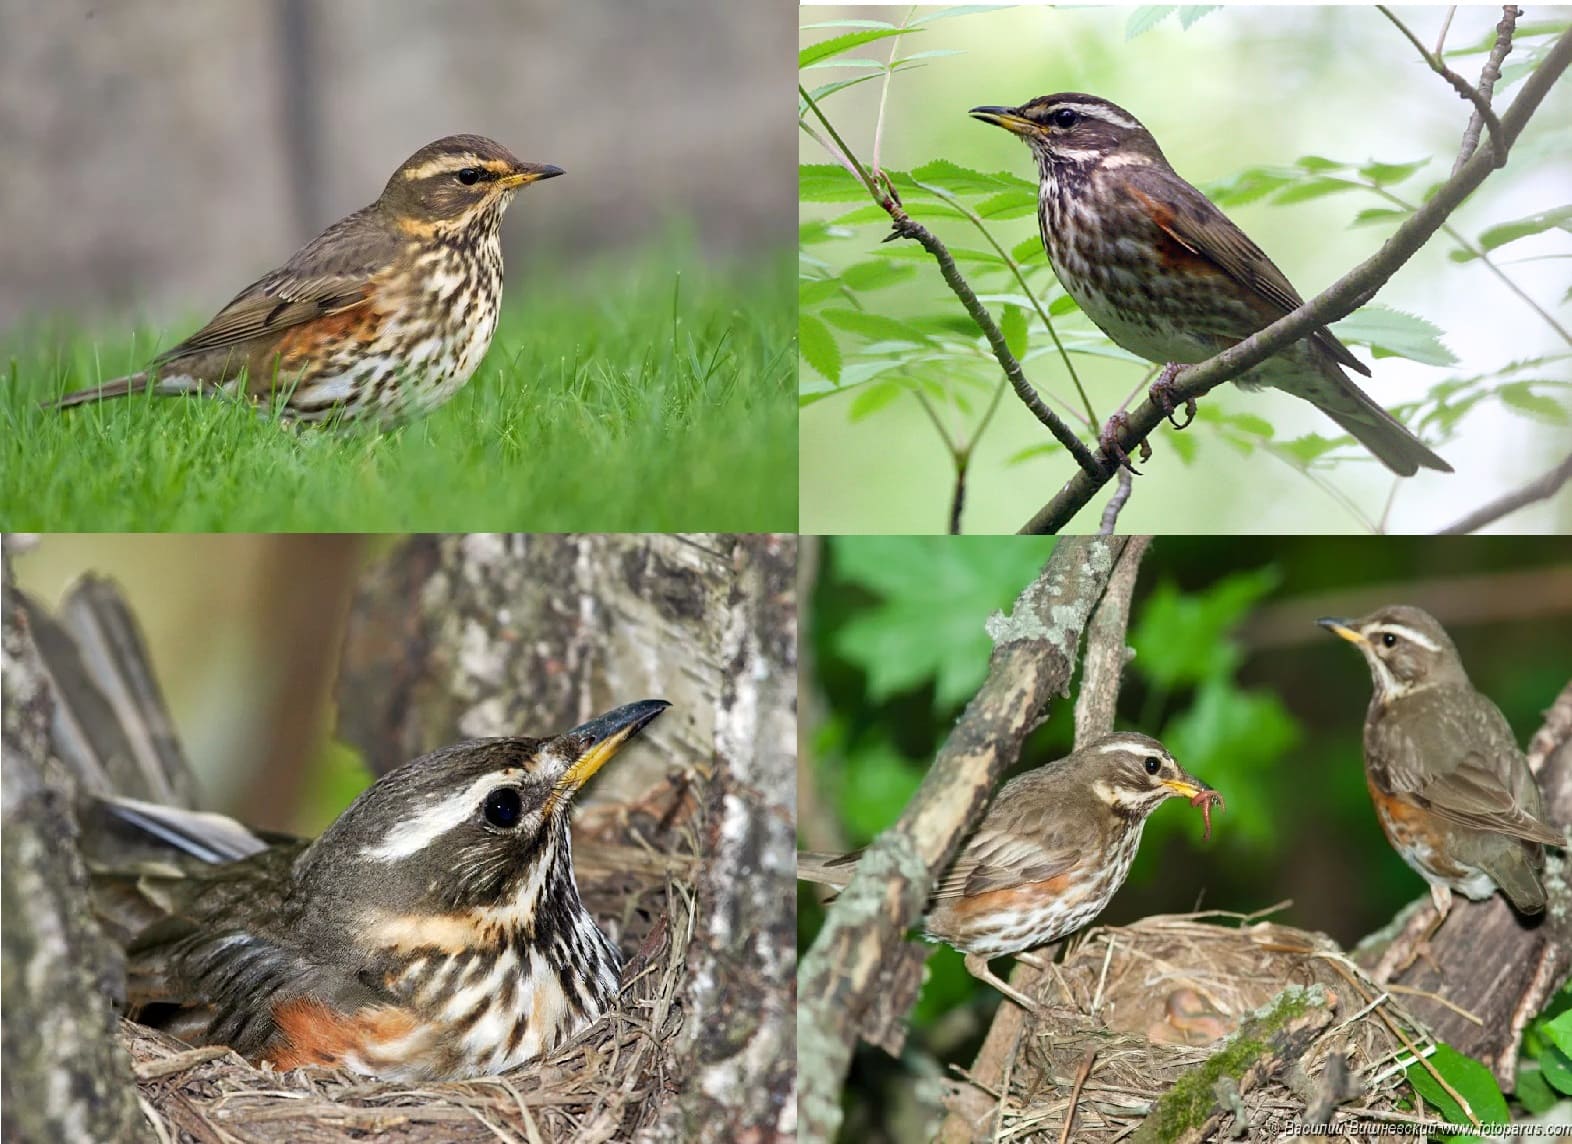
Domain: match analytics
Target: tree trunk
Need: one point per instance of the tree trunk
(460, 636)
(66, 1077)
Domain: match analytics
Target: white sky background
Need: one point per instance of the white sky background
(1236, 90)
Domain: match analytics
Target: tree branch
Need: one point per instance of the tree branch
(1337, 301)
(1102, 669)
(1487, 81)
(1541, 488)
(1033, 659)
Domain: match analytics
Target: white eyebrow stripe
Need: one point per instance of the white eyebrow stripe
(1103, 112)
(444, 163)
(1126, 743)
(1408, 634)
(421, 829)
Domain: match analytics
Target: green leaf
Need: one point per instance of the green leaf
(828, 183)
(958, 10)
(1372, 215)
(935, 595)
(1013, 326)
(877, 784)
(875, 327)
(1145, 18)
(812, 291)
(1534, 1092)
(1008, 205)
(877, 274)
(1182, 638)
(1190, 14)
(873, 398)
(1557, 1069)
(1314, 189)
(1559, 1030)
(1227, 737)
(834, 46)
(1386, 174)
(1499, 235)
(1183, 444)
(964, 181)
(1520, 396)
(818, 346)
(1249, 185)
(1318, 164)
(1472, 1081)
(1031, 250)
(1393, 333)
(1309, 448)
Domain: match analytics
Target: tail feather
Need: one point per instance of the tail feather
(1385, 436)
(124, 387)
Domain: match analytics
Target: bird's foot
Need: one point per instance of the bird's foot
(1162, 392)
(1413, 943)
(977, 966)
(1113, 452)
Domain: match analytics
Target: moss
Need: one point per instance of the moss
(1192, 1099)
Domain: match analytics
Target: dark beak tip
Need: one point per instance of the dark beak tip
(630, 717)
(1330, 622)
(549, 171)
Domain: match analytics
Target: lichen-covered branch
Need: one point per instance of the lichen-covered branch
(65, 1075)
(1033, 659)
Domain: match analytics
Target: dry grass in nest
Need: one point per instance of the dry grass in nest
(1150, 1005)
(604, 1085)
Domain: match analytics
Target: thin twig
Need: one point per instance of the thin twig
(1075, 1094)
(1541, 488)
(1459, 85)
(1020, 277)
(1487, 80)
(958, 497)
(907, 227)
(1337, 301)
(1116, 503)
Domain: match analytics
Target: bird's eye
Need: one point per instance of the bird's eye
(1153, 764)
(504, 807)
(1064, 117)
(1388, 639)
(469, 176)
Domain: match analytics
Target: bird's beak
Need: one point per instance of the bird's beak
(1343, 629)
(526, 173)
(592, 744)
(1008, 118)
(1186, 786)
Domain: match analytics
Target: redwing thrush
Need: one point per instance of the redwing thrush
(434, 931)
(1051, 852)
(1166, 275)
(384, 315)
(1453, 792)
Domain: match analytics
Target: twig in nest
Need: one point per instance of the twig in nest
(1075, 1095)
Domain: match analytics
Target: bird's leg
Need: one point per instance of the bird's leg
(977, 966)
(1162, 392)
(1108, 441)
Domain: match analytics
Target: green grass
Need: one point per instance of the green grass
(646, 393)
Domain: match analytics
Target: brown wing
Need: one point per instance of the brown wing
(1027, 836)
(1456, 755)
(1189, 218)
(331, 274)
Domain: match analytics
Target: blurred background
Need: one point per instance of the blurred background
(162, 154)
(1241, 87)
(1230, 672)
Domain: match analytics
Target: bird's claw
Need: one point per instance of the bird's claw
(1162, 392)
(1108, 442)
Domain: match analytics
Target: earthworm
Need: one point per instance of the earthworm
(1204, 799)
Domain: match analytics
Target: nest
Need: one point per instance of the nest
(606, 1084)
(1182, 1028)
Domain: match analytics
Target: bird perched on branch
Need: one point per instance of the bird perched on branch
(384, 315)
(1452, 790)
(433, 932)
(1055, 845)
(1168, 276)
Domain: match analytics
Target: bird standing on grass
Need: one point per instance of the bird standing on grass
(1167, 276)
(383, 316)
